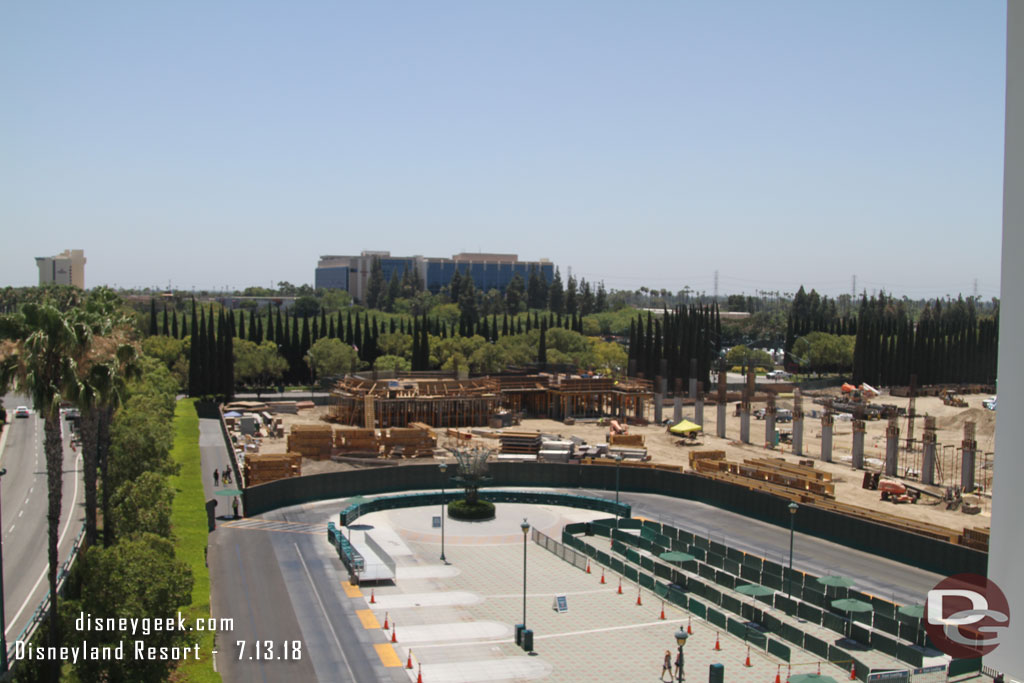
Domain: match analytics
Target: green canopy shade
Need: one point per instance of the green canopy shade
(677, 556)
(836, 581)
(852, 605)
(685, 427)
(755, 590)
(914, 611)
(228, 492)
(808, 678)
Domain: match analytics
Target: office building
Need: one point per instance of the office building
(489, 271)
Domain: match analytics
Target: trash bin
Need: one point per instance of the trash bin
(519, 634)
(717, 674)
(590, 529)
(528, 640)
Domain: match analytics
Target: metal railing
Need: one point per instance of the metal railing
(564, 552)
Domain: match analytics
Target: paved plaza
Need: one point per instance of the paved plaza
(458, 619)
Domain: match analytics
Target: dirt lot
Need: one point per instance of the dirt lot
(667, 448)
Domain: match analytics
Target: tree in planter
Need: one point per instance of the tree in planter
(472, 474)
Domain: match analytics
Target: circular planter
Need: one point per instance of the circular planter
(460, 509)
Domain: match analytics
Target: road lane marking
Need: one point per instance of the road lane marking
(21, 513)
(387, 654)
(323, 610)
(67, 525)
(368, 618)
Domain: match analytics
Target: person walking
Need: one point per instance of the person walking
(666, 666)
(227, 476)
(234, 506)
(216, 477)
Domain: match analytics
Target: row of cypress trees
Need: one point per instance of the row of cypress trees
(679, 335)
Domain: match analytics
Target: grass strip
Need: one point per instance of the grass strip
(188, 523)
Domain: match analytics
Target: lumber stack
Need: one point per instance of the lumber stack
(282, 407)
(976, 538)
(626, 440)
(261, 469)
(520, 443)
(410, 442)
(356, 440)
(710, 456)
(312, 441)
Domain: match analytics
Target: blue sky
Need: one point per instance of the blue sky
(653, 143)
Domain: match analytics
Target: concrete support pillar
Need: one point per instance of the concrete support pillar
(858, 444)
(659, 400)
(677, 403)
(745, 422)
(826, 437)
(698, 405)
(892, 447)
(722, 402)
(769, 420)
(720, 423)
(970, 448)
(798, 433)
(928, 459)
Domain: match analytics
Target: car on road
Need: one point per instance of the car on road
(21, 411)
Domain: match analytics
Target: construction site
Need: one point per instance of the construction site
(920, 461)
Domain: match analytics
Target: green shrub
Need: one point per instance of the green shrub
(462, 509)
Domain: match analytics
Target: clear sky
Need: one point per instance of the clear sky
(228, 144)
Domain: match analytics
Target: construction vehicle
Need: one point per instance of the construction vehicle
(950, 398)
(895, 492)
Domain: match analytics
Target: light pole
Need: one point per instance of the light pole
(444, 467)
(618, 461)
(793, 507)
(681, 637)
(525, 526)
(3, 614)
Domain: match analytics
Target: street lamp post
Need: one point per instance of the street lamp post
(793, 507)
(681, 637)
(618, 461)
(444, 467)
(3, 614)
(525, 526)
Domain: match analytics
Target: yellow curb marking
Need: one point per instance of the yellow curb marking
(387, 654)
(351, 590)
(368, 618)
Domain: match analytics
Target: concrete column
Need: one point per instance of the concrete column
(745, 422)
(798, 433)
(826, 437)
(722, 402)
(698, 405)
(769, 420)
(858, 444)
(970, 448)
(928, 459)
(892, 447)
(677, 409)
(720, 424)
(693, 379)
(659, 399)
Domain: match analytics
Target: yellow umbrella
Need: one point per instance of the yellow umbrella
(685, 427)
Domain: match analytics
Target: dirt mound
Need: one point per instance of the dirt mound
(984, 419)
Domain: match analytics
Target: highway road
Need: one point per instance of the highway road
(24, 502)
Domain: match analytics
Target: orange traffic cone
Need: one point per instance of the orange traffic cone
(639, 603)
(386, 627)
(602, 574)
(662, 609)
(373, 600)
(620, 585)
(778, 674)
(853, 671)
(419, 673)
(588, 565)
(689, 629)
(747, 663)
(408, 662)
(393, 638)
(717, 645)
(819, 668)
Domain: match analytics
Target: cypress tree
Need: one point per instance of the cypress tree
(194, 362)
(166, 329)
(152, 316)
(542, 351)
(174, 325)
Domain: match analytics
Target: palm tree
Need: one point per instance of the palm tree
(39, 355)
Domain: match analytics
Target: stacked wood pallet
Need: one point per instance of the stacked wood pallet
(261, 469)
(626, 440)
(520, 443)
(710, 456)
(795, 495)
(645, 465)
(356, 440)
(410, 442)
(312, 441)
(976, 538)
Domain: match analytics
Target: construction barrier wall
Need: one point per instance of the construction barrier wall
(901, 546)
